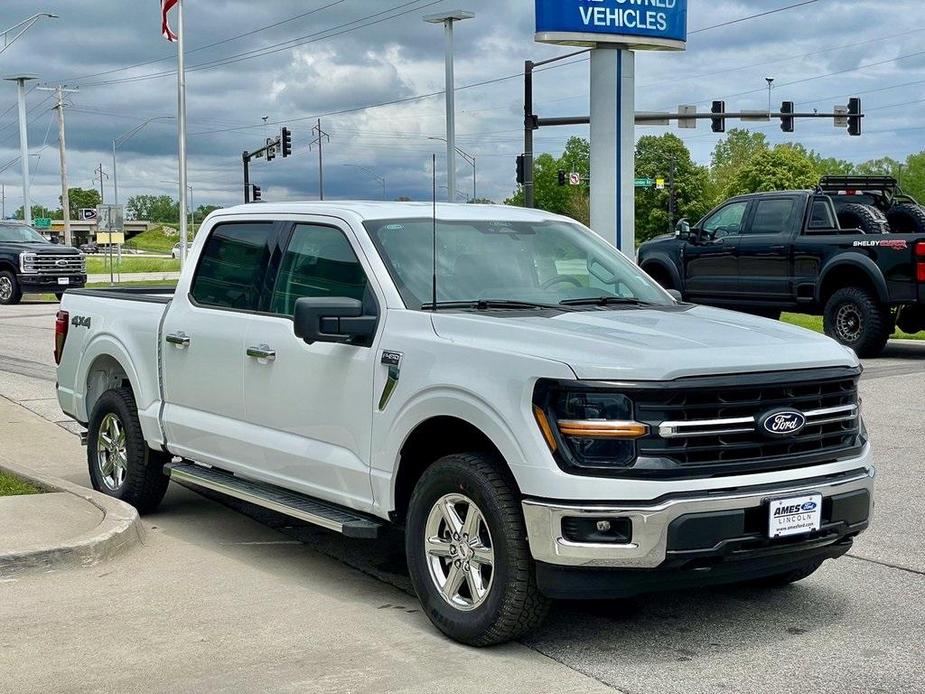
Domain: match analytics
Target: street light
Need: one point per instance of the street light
(20, 81)
(447, 19)
(372, 173)
(26, 24)
(118, 142)
(470, 159)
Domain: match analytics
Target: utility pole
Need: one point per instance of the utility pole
(99, 173)
(20, 81)
(60, 91)
(3, 200)
(320, 137)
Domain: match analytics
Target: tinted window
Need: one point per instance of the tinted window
(773, 216)
(232, 266)
(319, 262)
(727, 221)
(821, 216)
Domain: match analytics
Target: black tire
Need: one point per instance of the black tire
(857, 320)
(143, 482)
(869, 219)
(785, 579)
(10, 291)
(513, 604)
(907, 218)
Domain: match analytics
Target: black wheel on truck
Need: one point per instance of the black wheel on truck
(121, 464)
(10, 291)
(467, 552)
(785, 579)
(867, 218)
(854, 317)
(907, 219)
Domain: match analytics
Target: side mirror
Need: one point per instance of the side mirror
(682, 229)
(333, 319)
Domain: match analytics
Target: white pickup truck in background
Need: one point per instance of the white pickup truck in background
(539, 415)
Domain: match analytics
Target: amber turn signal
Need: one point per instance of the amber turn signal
(602, 429)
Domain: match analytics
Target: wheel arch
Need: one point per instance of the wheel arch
(662, 266)
(850, 271)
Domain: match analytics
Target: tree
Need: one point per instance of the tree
(885, 166)
(37, 211)
(729, 155)
(654, 158)
(155, 208)
(81, 198)
(912, 176)
(204, 211)
(548, 194)
(783, 168)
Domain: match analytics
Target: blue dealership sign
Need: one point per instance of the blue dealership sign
(641, 24)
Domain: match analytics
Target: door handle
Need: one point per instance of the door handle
(262, 352)
(180, 339)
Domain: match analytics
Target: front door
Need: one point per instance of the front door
(710, 265)
(203, 350)
(311, 406)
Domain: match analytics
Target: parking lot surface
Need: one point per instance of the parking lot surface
(219, 600)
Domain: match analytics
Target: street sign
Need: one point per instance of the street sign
(87, 214)
(45, 222)
(574, 179)
(687, 111)
(660, 184)
(655, 25)
(841, 116)
(105, 238)
(110, 217)
(644, 182)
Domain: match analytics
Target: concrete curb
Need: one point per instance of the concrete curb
(120, 530)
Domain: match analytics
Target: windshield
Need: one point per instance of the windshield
(20, 233)
(546, 262)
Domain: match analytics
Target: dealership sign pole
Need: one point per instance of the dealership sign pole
(613, 29)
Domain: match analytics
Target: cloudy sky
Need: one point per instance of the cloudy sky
(294, 61)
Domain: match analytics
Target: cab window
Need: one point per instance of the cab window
(774, 216)
(821, 216)
(319, 262)
(233, 266)
(726, 221)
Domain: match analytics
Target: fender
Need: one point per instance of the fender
(858, 261)
(664, 262)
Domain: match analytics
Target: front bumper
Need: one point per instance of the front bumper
(699, 526)
(44, 283)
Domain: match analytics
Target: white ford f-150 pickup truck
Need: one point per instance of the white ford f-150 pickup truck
(542, 419)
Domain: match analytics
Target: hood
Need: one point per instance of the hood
(649, 344)
(39, 248)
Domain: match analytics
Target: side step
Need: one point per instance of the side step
(337, 518)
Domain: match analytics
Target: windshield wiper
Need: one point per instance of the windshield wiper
(605, 301)
(485, 304)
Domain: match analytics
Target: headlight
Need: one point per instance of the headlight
(27, 262)
(586, 427)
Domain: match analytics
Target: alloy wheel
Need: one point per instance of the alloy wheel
(111, 452)
(6, 288)
(849, 323)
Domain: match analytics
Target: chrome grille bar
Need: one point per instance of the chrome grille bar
(746, 425)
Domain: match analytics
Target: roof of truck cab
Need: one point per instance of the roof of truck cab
(394, 210)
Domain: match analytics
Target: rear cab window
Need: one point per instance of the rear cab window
(821, 215)
(775, 216)
(232, 270)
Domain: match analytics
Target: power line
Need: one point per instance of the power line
(753, 16)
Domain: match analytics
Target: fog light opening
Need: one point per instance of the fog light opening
(598, 530)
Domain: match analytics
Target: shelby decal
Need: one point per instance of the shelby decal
(80, 321)
(892, 244)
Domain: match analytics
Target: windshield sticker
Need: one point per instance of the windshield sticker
(892, 244)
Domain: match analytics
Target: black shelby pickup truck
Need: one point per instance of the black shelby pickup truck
(785, 251)
(30, 264)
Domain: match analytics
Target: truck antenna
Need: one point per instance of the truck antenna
(434, 169)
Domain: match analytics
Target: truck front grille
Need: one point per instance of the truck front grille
(699, 429)
(57, 264)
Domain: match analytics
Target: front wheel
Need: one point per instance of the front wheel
(467, 552)
(856, 319)
(10, 291)
(121, 464)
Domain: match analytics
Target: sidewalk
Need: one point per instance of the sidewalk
(216, 602)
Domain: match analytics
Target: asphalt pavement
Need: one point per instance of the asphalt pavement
(231, 599)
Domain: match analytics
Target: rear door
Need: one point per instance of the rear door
(203, 351)
(710, 265)
(765, 248)
(311, 406)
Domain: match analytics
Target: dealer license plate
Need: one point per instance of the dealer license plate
(64, 280)
(796, 515)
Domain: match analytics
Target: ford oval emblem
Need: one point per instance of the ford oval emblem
(783, 423)
(61, 263)
(809, 506)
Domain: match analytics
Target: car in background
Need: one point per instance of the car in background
(31, 264)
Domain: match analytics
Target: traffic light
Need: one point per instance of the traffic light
(271, 150)
(563, 178)
(256, 196)
(286, 140)
(787, 121)
(521, 169)
(719, 122)
(854, 116)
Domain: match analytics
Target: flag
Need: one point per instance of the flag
(166, 6)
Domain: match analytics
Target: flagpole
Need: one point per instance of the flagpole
(181, 130)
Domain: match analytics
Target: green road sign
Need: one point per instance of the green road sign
(42, 222)
(645, 182)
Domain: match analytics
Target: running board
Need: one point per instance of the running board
(337, 518)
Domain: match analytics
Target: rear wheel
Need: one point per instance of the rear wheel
(867, 218)
(856, 319)
(10, 291)
(121, 464)
(907, 219)
(467, 552)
